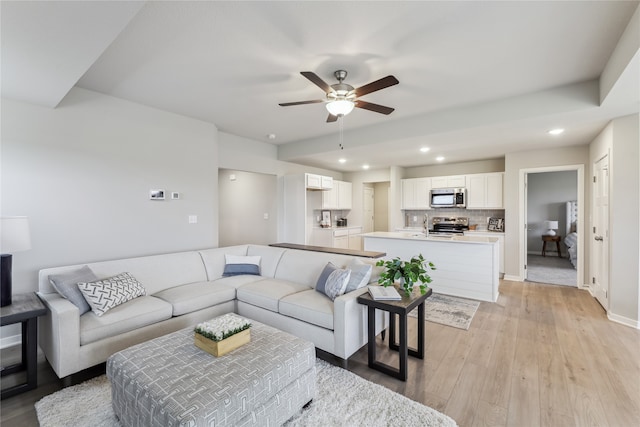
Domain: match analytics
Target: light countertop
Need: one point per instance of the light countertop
(415, 235)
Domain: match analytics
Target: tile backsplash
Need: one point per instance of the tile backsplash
(476, 216)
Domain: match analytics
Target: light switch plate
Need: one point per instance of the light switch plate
(175, 195)
(193, 219)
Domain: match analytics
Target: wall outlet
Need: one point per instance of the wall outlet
(193, 219)
(415, 218)
(266, 215)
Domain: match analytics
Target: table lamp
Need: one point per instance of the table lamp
(551, 226)
(14, 237)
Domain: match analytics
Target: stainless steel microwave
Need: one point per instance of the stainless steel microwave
(448, 198)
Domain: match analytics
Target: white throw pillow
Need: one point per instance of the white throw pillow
(105, 294)
(360, 275)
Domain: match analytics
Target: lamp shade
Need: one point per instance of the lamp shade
(14, 234)
(340, 107)
(551, 225)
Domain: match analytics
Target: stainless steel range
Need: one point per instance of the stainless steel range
(449, 225)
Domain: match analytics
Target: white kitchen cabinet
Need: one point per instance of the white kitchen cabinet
(453, 181)
(339, 197)
(415, 193)
(484, 191)
(318, 182)
(343, 237)
(355, 238)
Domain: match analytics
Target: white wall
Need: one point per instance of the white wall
(82, 174)
(381, 207)
(514, 162)
(244, 201)
(547, 194)
(480, 166)
(621, 139)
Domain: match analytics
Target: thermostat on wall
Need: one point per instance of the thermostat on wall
(156, 194)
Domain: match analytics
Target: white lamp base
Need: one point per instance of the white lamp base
(550, 233)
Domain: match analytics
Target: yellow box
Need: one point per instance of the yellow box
(220, 348)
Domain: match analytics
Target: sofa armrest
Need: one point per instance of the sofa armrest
(59, 333)
(350, 323)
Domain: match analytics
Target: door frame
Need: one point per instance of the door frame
(606, 243)
(522, 218)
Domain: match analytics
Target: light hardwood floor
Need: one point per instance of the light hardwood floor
(543, 355)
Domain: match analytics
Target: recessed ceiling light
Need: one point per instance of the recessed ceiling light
(556, 131)
(271, 136)
(439, 158)
(424, 149)
(342, 160)
(365, 166)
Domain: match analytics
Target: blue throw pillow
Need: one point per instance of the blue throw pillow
(237, 265)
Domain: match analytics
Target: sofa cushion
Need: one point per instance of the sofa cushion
(126, 317)
(266, 293)
(309, 306)
(67, 285)
(196, 296)
(237, 281)
(214, 260)
(270, 257)
(105, 294)
(236, 265)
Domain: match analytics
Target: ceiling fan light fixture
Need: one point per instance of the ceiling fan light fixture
(340, 107)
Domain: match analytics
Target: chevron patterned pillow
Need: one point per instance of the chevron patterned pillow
(105, 294)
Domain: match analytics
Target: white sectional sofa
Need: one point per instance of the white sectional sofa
(185, 288)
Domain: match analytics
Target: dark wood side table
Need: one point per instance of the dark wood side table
(24, 309)
(401, 309)
(546, 239)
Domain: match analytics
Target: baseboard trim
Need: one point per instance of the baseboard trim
(10, 341)
(623, 320)
(513, 278)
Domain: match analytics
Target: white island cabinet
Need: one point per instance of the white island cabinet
(466, 266)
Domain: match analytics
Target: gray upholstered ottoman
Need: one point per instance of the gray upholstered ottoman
(168, 381)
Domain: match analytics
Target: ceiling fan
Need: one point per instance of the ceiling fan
(341, 97)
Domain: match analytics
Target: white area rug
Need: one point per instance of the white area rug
(450, 311)
(342, 399)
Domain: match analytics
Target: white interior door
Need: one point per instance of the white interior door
(526, 226)
(600, 232)
(368, 207)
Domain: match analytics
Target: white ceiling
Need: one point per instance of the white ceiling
(477, 79)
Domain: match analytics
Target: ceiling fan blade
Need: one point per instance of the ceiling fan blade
(374, 107)
(331, 118)
(313, 77)
(287, 104)
(377, 85)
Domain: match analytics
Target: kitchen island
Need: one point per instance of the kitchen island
(466, 266)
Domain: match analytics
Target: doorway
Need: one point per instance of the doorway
(532, 229)
(375, 207)
(551, 199)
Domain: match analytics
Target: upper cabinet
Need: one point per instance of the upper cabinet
(339, 197)
(454, 181)
(318, 182)
(415, 193)
(484, 191)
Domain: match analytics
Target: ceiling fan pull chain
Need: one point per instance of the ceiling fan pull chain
(341, 127)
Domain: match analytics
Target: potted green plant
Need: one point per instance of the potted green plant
(407, 273)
